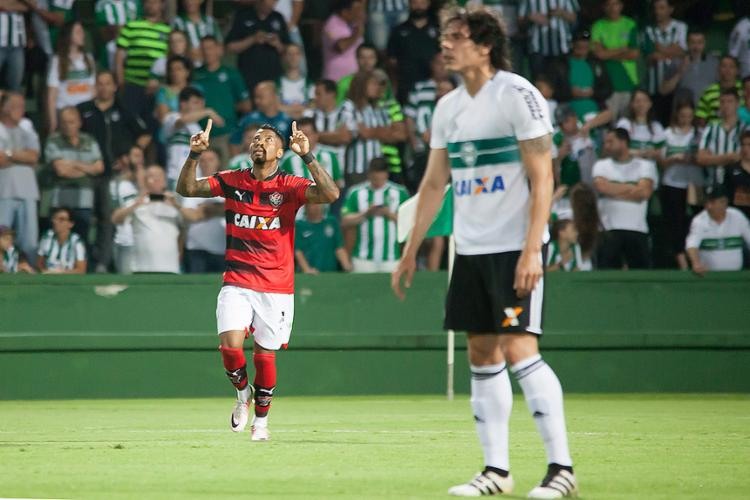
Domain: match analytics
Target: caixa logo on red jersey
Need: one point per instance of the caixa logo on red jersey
(480, 185)
(256, 222)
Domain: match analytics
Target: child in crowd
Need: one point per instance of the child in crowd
(564, 252)
(12, 261)
(547, 89)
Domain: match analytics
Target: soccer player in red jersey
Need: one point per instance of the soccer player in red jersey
(257, 296)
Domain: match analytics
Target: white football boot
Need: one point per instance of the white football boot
(240, 416)
(259, 433)
(485, 483)
(558, 483)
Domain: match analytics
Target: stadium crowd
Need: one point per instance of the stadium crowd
(651, 156)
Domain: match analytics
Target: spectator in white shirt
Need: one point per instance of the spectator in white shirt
(717, 234)
(206, 238)
(625, 184)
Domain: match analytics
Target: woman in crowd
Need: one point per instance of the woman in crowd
(179, 71)
(178, 46)
(564, 252)
(680, 174)
(646, 133)
(586, 221)
(72, 73)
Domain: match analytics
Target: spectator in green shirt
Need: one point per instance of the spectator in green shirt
(615, 41)
(318, 244)
(225, 92)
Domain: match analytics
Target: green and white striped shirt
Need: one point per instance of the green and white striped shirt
(195, 31)
(144, 43)
(419, 107)
(376, 236)
(116, 12)
(674, 33)
(240, 162)
(552, 39)
(293, 164)
(61, 256)
(11, 258)
(388, 5)
(555, 257)
(12, 30)
(719, 140)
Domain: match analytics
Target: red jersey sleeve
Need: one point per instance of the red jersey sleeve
(216, 183)
(299, 186)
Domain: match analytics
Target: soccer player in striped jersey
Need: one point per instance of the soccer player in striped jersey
(492, 135)
(720, 141)
(258, 293)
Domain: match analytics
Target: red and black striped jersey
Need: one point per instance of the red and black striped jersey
(260, 228)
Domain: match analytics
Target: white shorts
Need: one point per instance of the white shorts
(268, 316)
(370, 266)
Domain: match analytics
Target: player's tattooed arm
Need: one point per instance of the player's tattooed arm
(187, 184)
(538, 145)
(325, 189)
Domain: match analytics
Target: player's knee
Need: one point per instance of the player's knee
(233, 339)
(516, 348)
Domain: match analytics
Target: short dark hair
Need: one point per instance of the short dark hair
(105, 72)
(187, 63)
(68, 211)
(189, 92)
(485, 28)
(366, 46)
(696, 30)
(329, 85)
(307, 120)
(210, 38)
(730, 91)
(731, 58)
(339, 5)
(268, 126)
(621, 134)
(378, 164)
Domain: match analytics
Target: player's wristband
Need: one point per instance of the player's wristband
(194, 156)
(308, 158)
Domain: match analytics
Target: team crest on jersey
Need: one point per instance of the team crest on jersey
(469, 153)
(276, 199)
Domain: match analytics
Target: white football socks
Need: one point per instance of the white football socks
(492, 402)
(544, 397)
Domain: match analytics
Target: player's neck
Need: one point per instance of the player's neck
(476, 77)
(265, 170)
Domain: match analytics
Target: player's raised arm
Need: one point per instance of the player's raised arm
(187, 184)
(325, 189)
(537, 159)
(431, 192)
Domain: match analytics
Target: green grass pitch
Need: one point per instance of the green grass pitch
(625, 447)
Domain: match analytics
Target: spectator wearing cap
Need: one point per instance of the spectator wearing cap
(717, 235)
(258, 36)
(688, 77)
(665, 41)
(615, 41)
(61, 251)
(19, 154)
(75, 160)
(11, 259)
(412, 45)
(343, 32)
(179, 127)
(224, 90)
(708, 105)
(625, 184)
(318, 244)
(267, 110)
(738, 178)
(549, 29)
(720, 141)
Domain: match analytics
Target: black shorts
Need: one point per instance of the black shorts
(481, 298)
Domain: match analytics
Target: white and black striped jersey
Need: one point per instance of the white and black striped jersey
(674, 33)
(360, 151)
(420, 106)
(719, 140)
(388, 5)
(554, 38)
(12, 29)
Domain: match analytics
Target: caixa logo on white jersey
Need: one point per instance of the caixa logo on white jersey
(256, 222)
(479, 185)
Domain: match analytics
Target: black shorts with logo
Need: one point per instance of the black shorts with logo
(481, 298)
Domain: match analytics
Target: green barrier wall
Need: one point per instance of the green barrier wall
(72, 336)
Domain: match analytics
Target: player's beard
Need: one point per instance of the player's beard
(258, 156)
